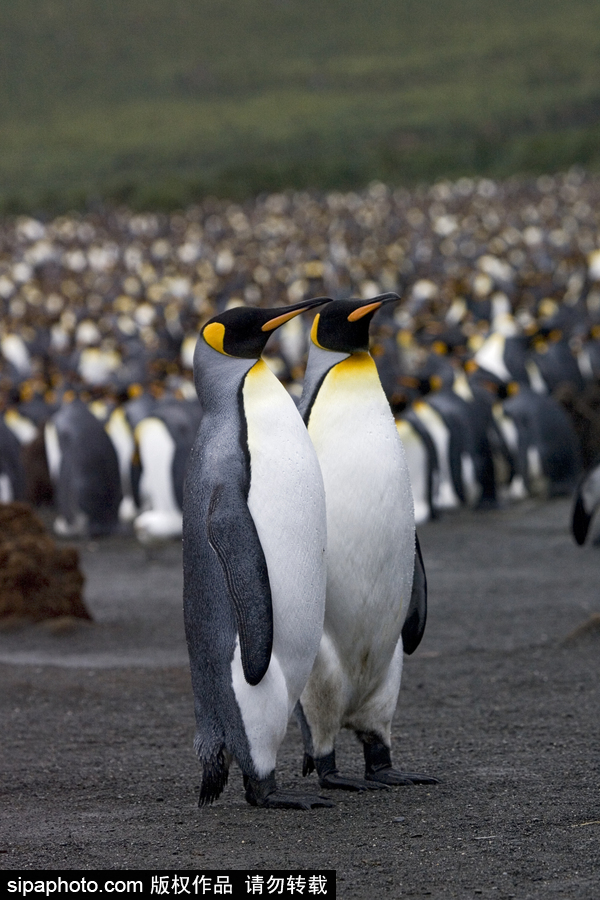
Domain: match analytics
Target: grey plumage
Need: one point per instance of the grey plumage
(253, 558)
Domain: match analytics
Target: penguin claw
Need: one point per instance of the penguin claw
(392, 777)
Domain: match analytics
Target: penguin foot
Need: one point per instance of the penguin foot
(378, 766)
(334, 781)
(329, 777)
(263, 792)
(391, 777)
(290, 800)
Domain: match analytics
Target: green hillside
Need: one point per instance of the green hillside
(157, 101)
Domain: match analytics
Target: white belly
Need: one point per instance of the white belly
(53, 454)
(121, 435)
(447, 497)
(370, 519)
(286, 501)
(590, 491)
(490, 357)
(157, 450)
(6, 491)
(417, 460)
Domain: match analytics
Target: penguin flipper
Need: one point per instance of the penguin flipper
(580, 521)
(233, 536)
(416, 617)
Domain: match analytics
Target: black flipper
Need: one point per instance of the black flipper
(580, 521)
(414, 624)
(232, 535)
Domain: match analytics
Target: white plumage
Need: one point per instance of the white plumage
(286, 493)
(371, 545)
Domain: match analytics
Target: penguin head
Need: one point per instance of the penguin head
(230, 344)
(242, 332)
(343, 327)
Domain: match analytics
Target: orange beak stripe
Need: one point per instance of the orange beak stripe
(363, 311)
(280, 320)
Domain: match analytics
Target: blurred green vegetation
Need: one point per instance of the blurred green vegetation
(156, 102)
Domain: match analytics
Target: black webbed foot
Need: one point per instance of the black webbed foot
(329, 777)
(289, 800)
(378, 767)
(392, 777)
(264, 793)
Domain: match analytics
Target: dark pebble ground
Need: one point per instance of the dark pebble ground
(97, 725)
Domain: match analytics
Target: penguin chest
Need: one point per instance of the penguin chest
(447, 497)
(157, 450)
(418, 466)
(121, 435)
(286, 502)
(370, 519)
(490, 357)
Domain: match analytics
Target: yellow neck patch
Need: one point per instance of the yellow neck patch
(352, 384)
(359, 365)
(258, 371)
(214, 335)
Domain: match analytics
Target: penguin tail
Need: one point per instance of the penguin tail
(215, 772)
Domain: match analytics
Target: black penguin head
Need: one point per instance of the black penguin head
(242, 332)
(343, 327)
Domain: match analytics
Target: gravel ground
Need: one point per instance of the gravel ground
(97, 726)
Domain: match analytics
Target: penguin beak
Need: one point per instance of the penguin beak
(372, 306)
(292, 311)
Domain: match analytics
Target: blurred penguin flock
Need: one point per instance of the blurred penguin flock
(491, 361)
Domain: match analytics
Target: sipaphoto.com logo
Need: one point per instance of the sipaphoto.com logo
(47, 886)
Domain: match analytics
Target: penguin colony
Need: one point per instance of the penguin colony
(490, 366)
(496, 337)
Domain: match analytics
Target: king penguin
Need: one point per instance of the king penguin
(376, 588)
(254, 540)
(84, 467)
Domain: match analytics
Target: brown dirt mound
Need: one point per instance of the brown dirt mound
(38, 579)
